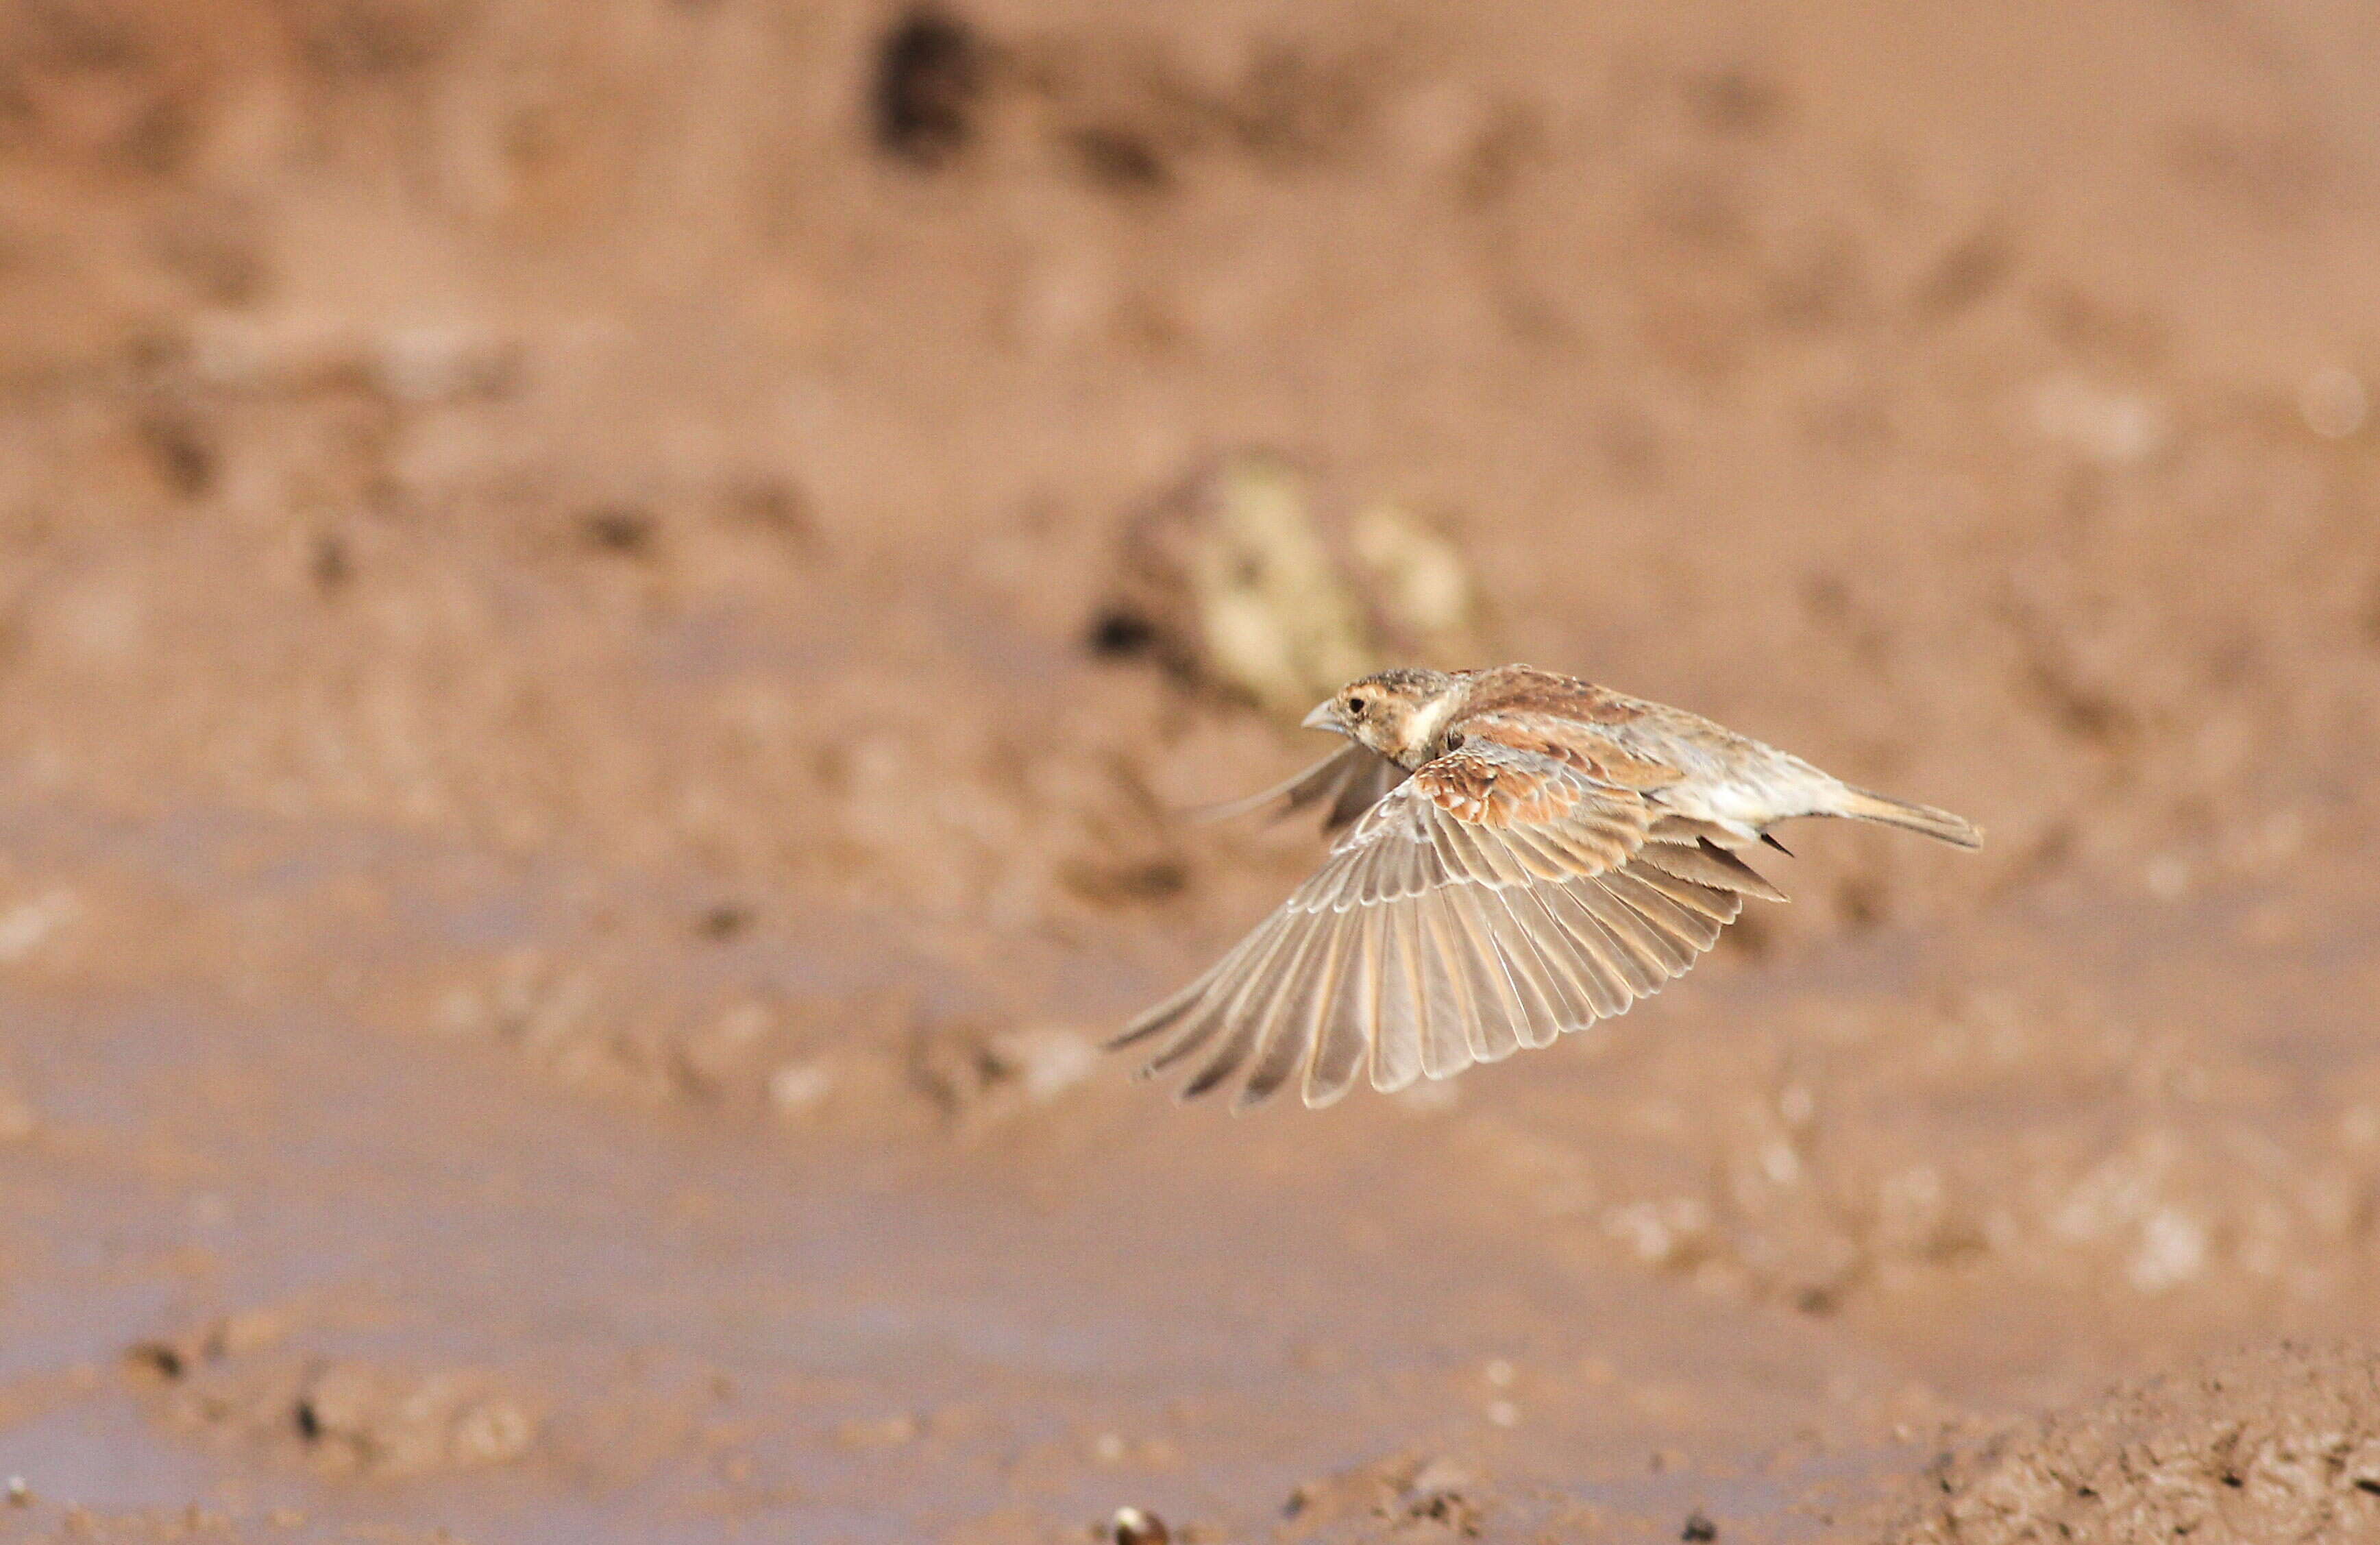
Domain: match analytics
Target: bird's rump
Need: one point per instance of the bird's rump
(1495, 899)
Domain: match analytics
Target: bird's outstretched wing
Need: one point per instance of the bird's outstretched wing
(1352, 779)
(1494, 900)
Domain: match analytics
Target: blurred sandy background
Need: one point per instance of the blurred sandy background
(585, 762)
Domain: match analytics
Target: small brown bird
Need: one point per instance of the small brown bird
(1524, 853)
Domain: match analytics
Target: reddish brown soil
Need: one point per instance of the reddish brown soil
(566, 844)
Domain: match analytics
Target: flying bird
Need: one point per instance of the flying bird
(1519, 854)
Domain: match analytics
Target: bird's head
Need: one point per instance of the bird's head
(1400, 713)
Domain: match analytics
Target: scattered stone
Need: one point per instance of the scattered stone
(2112, 427)
(490, 1432)
(442, 362)
(1048, 1060)
(361, 1419)
(1132, 1526)
(348, 1416)
(798, 1088)
(2334, 403)
(1671, 1232)
(1401, 1490)
(979, 1078)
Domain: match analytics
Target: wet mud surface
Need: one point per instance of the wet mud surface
(589, 742)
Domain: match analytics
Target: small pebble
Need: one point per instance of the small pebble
(1698, 1527)
(1132, 1525)
(492, 1433)
(2334, 403)
(19, 1494)
(798, 1085)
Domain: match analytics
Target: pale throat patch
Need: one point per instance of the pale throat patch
(1423, 727)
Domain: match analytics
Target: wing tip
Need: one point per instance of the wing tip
(1323, 1099)
(1131, 1035)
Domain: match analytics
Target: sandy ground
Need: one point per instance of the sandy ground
(576, 803)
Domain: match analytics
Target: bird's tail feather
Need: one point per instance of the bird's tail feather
(1859, 804)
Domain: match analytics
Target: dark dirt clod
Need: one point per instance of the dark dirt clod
(930, 72)
(180, 449)
(331, 567)
(1120, 159)
(1120, 633)
(628, 532)
(157, 1358)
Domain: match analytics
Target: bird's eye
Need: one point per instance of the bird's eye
(1355, 705)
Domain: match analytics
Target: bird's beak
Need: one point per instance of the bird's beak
(1325, 717)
